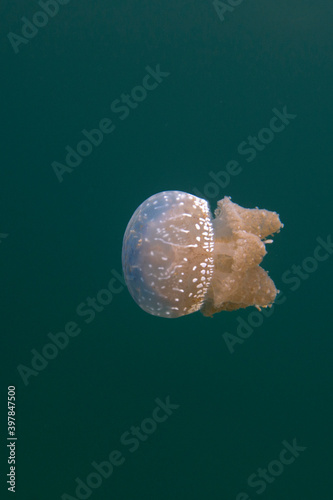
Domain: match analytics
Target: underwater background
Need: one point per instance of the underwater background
(112, 403)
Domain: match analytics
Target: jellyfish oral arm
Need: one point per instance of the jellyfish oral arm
(238, 281)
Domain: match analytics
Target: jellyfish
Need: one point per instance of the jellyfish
(178, 259)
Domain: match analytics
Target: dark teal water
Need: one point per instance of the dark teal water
(219, 83)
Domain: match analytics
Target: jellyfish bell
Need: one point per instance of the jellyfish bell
(178, 259)
(167, 254)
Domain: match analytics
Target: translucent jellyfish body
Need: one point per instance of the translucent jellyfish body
(178, 259)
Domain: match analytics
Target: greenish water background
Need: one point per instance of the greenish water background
(64, 241)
